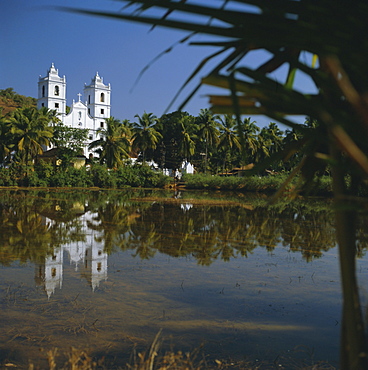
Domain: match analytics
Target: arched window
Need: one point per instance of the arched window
(56, 90)
(43, 91)
(89, 99)
(102, 98)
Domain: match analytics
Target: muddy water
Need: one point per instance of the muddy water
(105, 271)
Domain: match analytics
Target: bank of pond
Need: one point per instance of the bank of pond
(138, 175)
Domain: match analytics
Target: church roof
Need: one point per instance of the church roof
(97, 81)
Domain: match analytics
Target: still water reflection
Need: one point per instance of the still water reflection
(105, 271)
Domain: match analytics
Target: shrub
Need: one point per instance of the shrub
(59, 179)
(128, 176)
(33, 180)
(102, 177)
(44, 170)
(79, 178)
(140, 176)
(151, 178)
(7, 177)
(251, 183)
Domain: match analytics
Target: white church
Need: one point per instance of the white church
(87, 114)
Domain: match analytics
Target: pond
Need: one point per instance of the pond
(221, 274)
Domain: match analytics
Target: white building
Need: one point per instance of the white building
(87, 114)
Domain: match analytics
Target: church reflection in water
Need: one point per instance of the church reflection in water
(87, 257)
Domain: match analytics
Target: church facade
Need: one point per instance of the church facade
(90, 113)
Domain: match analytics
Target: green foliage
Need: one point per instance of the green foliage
(102, 177)
(70, 177)
(127, 176)
(59, 179)
(140, 176)
(177, 130)
(145, 136)
(265, 184)
(69, 140)
(114, 143)
(44, 170)
(7, 177)
(33, 180)
(20, 100)
(30, 131)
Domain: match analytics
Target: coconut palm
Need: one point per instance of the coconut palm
(249, 138)
(187, 144)
(228, 139)
(31, 132)
(145, 136)
(49, 115)
(208, 131)
(114, 143)
(4, 140)
(273, 136)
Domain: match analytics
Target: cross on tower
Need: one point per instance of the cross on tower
(79, 96)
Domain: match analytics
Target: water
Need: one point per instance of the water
(105, 271)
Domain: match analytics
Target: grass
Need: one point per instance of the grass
(153, 360)
(261, 184)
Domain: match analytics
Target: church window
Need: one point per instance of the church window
(90, 137)
(56, 90)
(89, 111)
(53, 272)
(101, 124)
(102, 111)
(99, 252)
(43, 91)
(89, 99)
(80, 115)
(43, 104)
(102, 98)
(53, 257)
(56, 105)
(99, 266)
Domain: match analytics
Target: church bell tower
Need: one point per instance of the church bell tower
(97, 96)
(52, 91)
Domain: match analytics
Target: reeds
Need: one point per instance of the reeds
(195, 360)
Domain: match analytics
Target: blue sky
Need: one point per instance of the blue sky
(33, 35)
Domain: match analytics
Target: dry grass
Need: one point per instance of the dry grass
(152, 360)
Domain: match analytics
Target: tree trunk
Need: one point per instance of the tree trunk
(353, 347)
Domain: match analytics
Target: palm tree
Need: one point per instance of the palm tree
(145, 136)
(4, 140)
(114, 144)
(31, 132)
(228, 139)
(274, 136)
(187, 144)
(208, 131)
(249, 139)
(49, 115)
